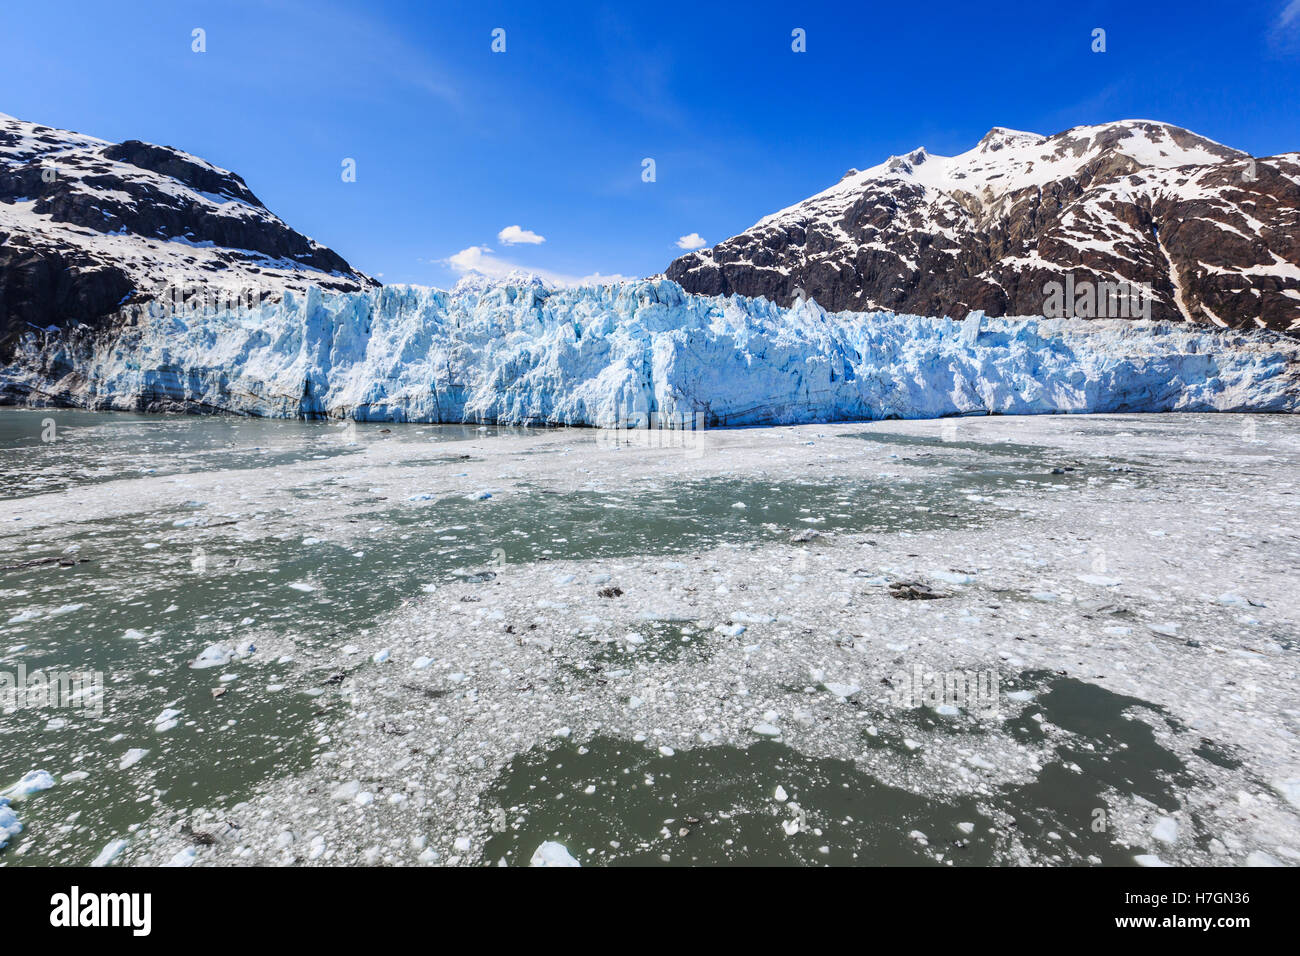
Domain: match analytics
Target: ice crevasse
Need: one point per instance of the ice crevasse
(518, 351)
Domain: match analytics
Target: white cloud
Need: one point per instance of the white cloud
(696, 241)
(513, 235)
(1289, 14)
(479, 259)
(484, 261)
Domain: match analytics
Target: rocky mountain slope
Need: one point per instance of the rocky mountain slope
(1214, 233)
(87, 226)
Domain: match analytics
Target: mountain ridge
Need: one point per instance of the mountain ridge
(1209, 229)
(88, 226)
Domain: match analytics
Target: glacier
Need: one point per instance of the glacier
(518, 351)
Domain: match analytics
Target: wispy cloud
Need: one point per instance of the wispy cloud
(513, 236)
(378, 52)
(692, 241)
(1284, 34)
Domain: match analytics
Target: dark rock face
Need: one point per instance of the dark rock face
(87, 227)
(1213, 234)
(42, 287)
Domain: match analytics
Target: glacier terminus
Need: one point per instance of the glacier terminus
(518, 351)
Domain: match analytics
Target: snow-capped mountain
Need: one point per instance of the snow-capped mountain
(614, 354)
(1213, 232)
(87, 225)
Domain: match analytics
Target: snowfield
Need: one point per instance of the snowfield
(520, 352)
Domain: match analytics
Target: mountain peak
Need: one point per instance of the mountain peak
(1149, 203)
(999, 137)
(92, 226)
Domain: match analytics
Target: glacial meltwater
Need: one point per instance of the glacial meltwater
(994, 640)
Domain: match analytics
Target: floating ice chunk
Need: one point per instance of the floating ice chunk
(1020, 696)
(218, 655)
(1118, 631)
(166, 720)
(421, 663)
(551, 853)
(132, 757)
(966, 827)
(563, 732)
(1045, 596)
(842, 691)
(346, 792)
(781, 796)
(1260, 858)
(765, 729)
(730, 630)
(109, 853)
(34, 781)
(184, 857)
(10, 825)
(740, 506)
(303, 586)
(952, 577)
(379, 657)
(1289, 790)
(1099, 580)
(461, 845)
(1165, 830)
(1149, 859)
(1167, 629)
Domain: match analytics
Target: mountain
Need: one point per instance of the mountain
(87, 226)
(517, 351)
(1214, 233)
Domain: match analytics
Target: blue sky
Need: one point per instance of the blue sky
(454, 143)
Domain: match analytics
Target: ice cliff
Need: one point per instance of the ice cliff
(603, 355)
